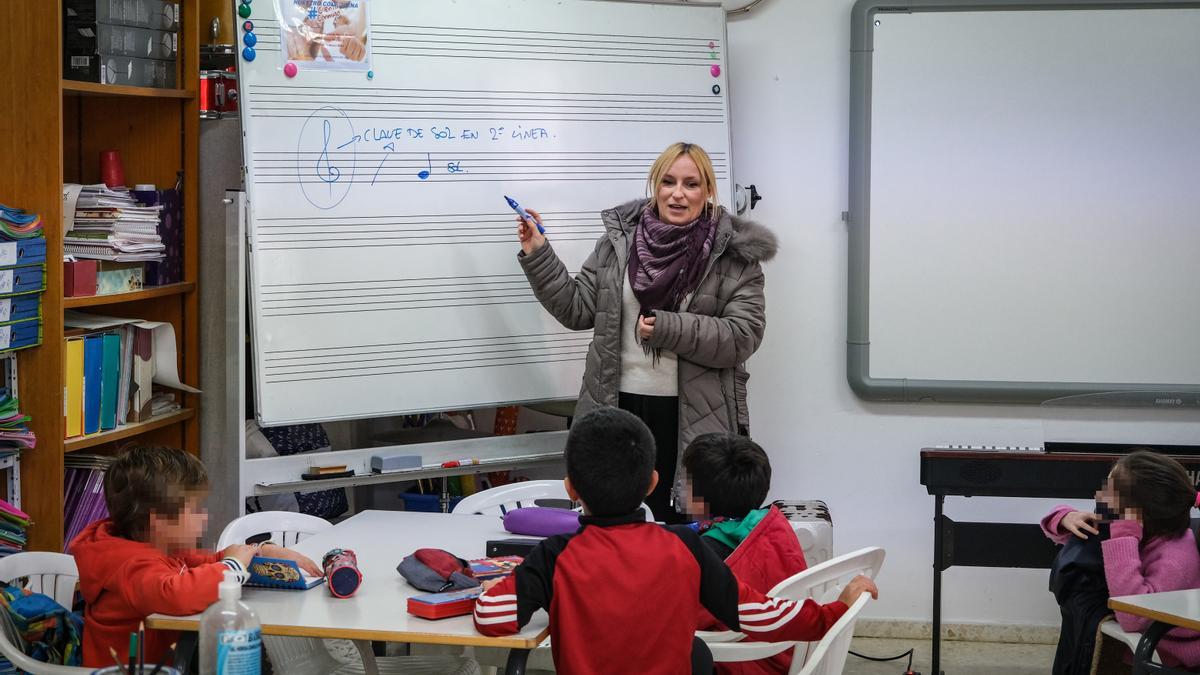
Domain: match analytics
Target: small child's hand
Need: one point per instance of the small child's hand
(487, 585)
(306, 564)
(857, 586)
(1080, 523)
(243, 553)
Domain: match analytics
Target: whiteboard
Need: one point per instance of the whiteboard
(1034, 199)
(383, 255)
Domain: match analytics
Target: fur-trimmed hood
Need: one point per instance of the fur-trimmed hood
(749, 240)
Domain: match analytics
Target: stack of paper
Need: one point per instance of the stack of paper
(14, 432)
(16, 224)
(83, 496)
(108, 224)
(13, 523)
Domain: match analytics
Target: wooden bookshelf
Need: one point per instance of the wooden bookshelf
(53, 133)
(97, 89)
(129, 430)
(134, 296)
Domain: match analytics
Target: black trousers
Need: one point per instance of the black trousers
(661, 414)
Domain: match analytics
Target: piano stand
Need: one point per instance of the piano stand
(980, 545)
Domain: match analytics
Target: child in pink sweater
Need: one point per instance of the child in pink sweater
(1150, 546)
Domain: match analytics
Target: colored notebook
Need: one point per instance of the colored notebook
(110, 381)
(490, 568)
(444, 605)
(281, 574)
(93, 368)
(73, 373)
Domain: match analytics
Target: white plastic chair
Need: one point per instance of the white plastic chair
(1112, 629)
(823, 583)
(500, 500)
(311, 656)
(53, 574)
(828, 656)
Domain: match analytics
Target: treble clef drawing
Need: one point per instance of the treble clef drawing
(330, 173)
(317, 164)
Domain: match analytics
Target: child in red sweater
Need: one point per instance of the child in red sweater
(142, 559)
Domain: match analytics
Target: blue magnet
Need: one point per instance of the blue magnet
(370, 74)
(250, 39)
(248, 53)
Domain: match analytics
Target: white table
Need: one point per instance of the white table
(378, 611)
(1167, 610)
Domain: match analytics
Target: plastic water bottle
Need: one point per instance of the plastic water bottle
(230, 634)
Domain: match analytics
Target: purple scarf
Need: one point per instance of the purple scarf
(667, 260)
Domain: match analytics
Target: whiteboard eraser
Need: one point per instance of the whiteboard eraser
(386, 463)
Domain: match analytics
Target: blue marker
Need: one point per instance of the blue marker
(525, 214)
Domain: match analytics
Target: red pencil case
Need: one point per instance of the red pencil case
(443, 605)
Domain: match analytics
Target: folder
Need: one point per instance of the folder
(93, 364)
(143, 374)
(110, 380)
(73, 373)
(20, 334)
(23, 252)
(26, 279)
(20, 307)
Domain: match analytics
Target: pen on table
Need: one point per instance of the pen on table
(525, 214)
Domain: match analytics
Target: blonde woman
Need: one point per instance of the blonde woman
(673, 293)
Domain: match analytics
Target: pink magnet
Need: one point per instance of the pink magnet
(290, 69)
(715, 70)
(712, 45)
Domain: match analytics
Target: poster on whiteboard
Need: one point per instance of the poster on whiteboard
(325, 34)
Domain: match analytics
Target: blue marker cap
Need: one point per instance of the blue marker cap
(524, 214)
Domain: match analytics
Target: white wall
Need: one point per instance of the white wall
(790, 65)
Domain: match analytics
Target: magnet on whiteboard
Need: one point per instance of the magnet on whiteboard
(712, 45)
(247, 26)
(290, 69)
(250, 39)
(715, 70)
(716, 89)
(248, 53)
(244, 11)
(370, 74)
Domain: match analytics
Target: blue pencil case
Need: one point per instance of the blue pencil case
(21, 334)
(23, 252)
(20, 307)
(25, 279)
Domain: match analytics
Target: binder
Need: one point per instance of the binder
(93, 363)
(110, 380)
(20, 307)
(23, 252)
(142, 385)
(73, 372)
(20, 334)
(24, 279)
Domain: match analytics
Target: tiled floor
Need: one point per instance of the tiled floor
(958, 658)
